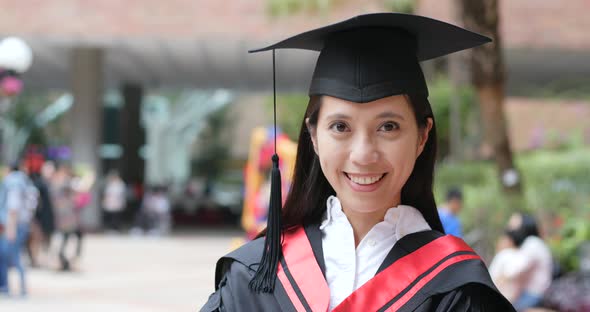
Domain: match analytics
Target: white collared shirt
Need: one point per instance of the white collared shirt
(348, 268)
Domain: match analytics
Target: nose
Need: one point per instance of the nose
(364, 151)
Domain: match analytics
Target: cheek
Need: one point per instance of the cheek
(327, 146)
(401, 159)
(332, 156)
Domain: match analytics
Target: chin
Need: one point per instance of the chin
(365, 203)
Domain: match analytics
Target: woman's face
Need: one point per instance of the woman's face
(515, 221)
(367, 151)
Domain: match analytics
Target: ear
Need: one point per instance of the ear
(312, 134)
(423, 136)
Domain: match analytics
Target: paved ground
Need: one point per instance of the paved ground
(125, 273)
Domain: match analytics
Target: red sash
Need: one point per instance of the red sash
(302, 277)
(304, 283)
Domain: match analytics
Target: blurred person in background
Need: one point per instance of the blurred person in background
(531, 264)
(144, 219)
(43, 224)
(113, 201)
(20, 201)
(65, 211)
(3, 242)
(449, 212)
(161, 211)
(45, 215)
(82, 184)
(154, 214)
(506, 251)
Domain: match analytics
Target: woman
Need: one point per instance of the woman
(67, 216)
(113, 201)
(531, 265)
(359, 230)
(508, 285)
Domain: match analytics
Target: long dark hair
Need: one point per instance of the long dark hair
(310, 189)
(528, 227)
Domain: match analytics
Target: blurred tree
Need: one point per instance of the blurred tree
(290, 111)
(442, 94)
(210, 162)
(288, 7)
(23, 113)
(18, 125)
(488, 75)
(400, 6)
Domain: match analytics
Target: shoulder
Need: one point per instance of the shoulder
(458, 264)
(233, 274)
(248, 253)
(535, 246)
(443, 212)
(534, 242)
(461, 285)
(241, 262)
(470, 297)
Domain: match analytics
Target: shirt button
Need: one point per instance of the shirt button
(372, 242)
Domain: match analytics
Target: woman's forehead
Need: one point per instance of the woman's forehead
(384, 107)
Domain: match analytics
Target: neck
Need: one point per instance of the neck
(363, 222)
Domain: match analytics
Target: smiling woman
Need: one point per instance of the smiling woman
(359, 230)
(367, 153)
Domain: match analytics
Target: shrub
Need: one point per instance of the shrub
(555, 186)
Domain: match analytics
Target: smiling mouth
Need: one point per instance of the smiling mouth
(365, 180)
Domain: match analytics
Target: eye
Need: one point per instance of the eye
(339, 127)
(389, 126)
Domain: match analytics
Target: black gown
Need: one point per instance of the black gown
(463, 286)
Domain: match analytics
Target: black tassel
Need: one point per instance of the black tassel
(264, 280)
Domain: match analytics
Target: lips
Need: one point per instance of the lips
(364, 179)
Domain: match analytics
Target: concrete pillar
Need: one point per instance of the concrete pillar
(86, 73)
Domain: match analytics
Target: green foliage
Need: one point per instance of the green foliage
(555, 185)
(211, 160)
(441, 96)
(573, 234)
(400, 6)
(554, 139)
(562, 177)
(23, 111)
(289, 7)
(290, 112)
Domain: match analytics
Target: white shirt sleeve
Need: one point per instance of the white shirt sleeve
(522, 260)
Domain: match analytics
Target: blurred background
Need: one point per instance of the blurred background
(139, 132)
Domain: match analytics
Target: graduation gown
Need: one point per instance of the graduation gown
(424, 271)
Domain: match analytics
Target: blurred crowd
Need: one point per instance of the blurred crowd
(524, 268)
(38, 200)
(42, 205)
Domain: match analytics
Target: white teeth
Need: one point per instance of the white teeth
(365, 180)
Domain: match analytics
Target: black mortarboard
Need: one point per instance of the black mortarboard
(361, 59)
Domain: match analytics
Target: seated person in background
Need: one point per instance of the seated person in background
(532, 264)
(449, 212)
(506, 251)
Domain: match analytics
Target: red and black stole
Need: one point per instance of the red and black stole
(404, 277)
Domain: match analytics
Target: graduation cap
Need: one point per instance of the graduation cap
(361, 59)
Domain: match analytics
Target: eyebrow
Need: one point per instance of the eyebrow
(338, 116)
(380, 116)
(390, 115)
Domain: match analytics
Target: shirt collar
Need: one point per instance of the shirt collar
(333, 211)
(411, 219)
